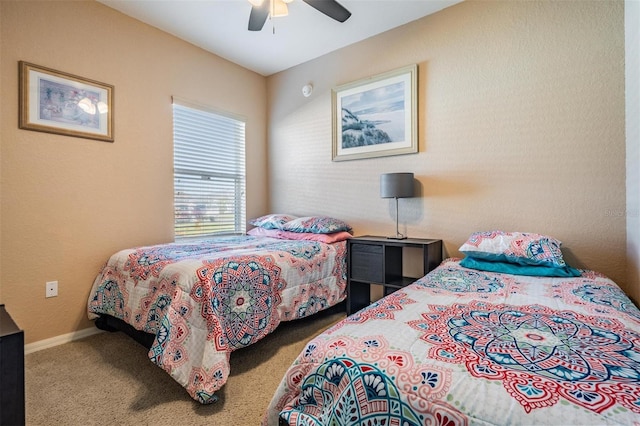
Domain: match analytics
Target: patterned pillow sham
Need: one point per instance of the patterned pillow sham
(288, 235)
(310, 236)
(316, 225)
(263, 232)
(516, 269)
(521, 248)
(271, 221)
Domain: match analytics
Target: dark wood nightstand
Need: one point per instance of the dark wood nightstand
(12, 396)
(378, 260)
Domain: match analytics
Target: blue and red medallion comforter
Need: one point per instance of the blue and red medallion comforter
(462, 346)
(206, 298)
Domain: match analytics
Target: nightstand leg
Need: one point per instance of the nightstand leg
(358, 297)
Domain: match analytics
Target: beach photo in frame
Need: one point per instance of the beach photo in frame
(57, 102)
(377, 116)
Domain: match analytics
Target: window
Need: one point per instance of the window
(209, 172)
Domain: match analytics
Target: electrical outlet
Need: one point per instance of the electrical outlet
(52, 288)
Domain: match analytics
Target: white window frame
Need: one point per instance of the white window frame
(209, 170)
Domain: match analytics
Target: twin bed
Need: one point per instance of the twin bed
(509, 335)
(193, 303)
(475, 346)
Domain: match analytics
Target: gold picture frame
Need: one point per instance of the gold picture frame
(57, 102)
(377, 116)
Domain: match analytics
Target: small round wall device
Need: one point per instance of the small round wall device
(307, 89)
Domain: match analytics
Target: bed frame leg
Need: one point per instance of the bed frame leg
(103, 324)
(109, 323)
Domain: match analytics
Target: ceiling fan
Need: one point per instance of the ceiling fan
(262, 9)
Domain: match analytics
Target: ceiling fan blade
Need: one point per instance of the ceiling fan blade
(258, 16)
(331, 8)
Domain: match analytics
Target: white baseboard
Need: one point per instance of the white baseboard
(59, 340)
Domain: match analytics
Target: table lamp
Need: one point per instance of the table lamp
(396, 185)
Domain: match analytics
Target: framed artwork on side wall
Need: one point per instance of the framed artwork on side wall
(377, 116)
(56, 102)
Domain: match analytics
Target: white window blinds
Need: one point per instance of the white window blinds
(209, 172)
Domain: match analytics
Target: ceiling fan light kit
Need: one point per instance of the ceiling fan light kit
(258, 3)
(278, 8)
(262, 9)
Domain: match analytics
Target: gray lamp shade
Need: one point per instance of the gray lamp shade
(396, 185)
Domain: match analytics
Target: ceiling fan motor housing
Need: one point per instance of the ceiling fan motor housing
(261, 9)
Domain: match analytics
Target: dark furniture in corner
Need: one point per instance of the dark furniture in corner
(378, 260)
(11, 371)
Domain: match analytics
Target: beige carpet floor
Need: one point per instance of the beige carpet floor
(107, 379)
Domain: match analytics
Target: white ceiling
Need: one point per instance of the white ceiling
(220, 26)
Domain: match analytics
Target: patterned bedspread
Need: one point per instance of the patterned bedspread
(204, 299)
(460, 346)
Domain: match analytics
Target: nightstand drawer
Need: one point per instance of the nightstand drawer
(367, 262)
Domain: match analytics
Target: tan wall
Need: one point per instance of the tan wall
(69, 203)
(632, 100)
(521, 127)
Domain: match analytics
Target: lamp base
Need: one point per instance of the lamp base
(397, 237)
